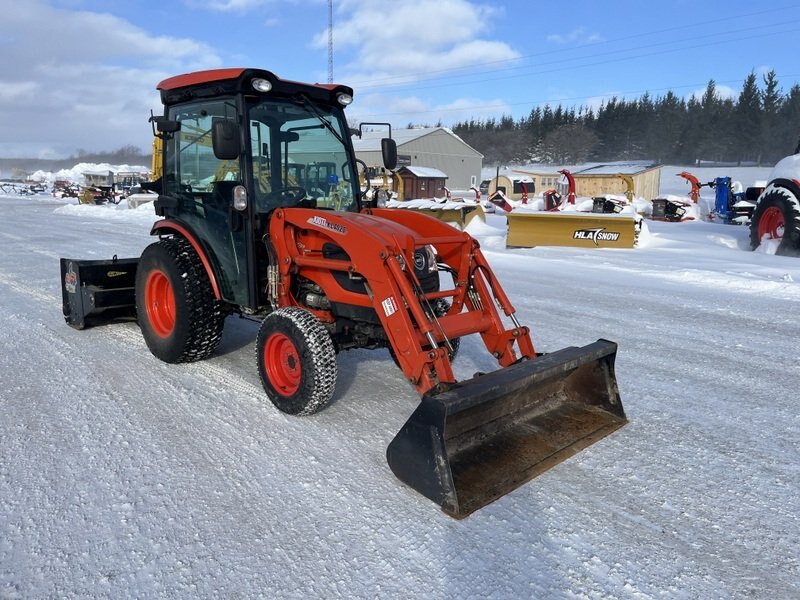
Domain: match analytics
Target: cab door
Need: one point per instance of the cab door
(203, 185)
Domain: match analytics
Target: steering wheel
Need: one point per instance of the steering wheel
(287, 196)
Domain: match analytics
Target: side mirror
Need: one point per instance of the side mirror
(168, 126)
(389, 151)
(162, 127)
(225, 139)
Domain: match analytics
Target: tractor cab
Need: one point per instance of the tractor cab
(237, 149)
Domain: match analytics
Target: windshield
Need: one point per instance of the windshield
(298, 150)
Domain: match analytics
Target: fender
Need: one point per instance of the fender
(789, 184)
(175, 227)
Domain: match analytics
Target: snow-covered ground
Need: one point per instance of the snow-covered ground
(121, 476)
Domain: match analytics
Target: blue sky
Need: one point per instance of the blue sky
(81, 74)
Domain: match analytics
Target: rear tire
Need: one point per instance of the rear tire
(777, 216)
(180, 318)
(296, 361)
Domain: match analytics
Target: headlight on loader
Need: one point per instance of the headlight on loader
(425, 259)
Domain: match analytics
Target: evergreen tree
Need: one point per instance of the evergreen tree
(756, 125)
(788, 138)
(747, 120)
(771, 103)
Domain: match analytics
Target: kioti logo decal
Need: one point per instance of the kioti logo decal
(597, 235)
(323, 222)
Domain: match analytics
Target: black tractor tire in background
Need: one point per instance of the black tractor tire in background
(773, 209)
(296, 361)
(180, 318)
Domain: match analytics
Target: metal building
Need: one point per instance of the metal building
(433, 147)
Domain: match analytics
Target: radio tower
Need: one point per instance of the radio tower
(330, 41)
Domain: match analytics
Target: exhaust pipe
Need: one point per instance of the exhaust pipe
(484, 437)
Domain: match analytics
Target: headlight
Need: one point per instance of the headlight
(240, 197)
(344, 99)
(425, 259)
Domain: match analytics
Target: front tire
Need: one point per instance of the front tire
(777, 216)
(296, 361)
(180, 318)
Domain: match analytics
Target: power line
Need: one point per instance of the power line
(376, 83)
(536, 69)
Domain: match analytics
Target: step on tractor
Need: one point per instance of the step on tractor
(262, 216)
(776, 217)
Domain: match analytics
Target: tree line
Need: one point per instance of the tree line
(125, 155)
(758, 127)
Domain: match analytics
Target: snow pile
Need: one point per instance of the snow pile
(125, 477)
(75, 174)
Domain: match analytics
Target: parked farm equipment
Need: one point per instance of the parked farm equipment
(776, 218)
(732, 204)
(561, 224)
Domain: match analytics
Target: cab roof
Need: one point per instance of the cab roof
(217, 82)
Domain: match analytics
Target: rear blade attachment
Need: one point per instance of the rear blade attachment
(484, 437)
(94, 292)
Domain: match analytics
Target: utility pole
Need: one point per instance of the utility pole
(330, 41)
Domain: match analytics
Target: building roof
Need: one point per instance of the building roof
(428, 172)
(614, 168)
(610, 169)
(370, 141)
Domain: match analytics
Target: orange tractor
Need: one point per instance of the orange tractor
(263, 217)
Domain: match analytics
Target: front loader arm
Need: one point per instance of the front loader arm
(377, 253)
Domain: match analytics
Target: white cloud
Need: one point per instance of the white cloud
(578, 35)
(67, 80)
(723, 92)
(392, 52)
(412, 109)
(227, 5)
(595, 102)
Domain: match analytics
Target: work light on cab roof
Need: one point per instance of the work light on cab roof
(261, 85)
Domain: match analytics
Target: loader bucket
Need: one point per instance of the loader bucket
(484, 437)
(98, 291)
(585, 230)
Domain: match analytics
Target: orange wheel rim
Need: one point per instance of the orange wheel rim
(282, 364)
(771, 223)
(159, 300)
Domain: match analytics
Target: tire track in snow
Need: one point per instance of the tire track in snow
(27, 290)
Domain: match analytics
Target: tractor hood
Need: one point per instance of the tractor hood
(369, 236)
(380, 228)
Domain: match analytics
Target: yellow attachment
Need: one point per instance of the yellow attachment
(158, 151)
(460, 216)
(583, 230)
(629, 191)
